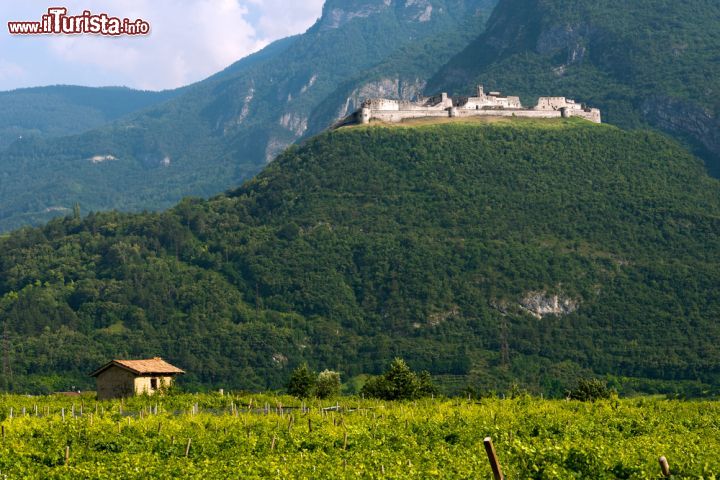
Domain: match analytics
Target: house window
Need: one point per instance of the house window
(153, 384)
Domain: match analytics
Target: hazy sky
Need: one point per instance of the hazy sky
(189, 40)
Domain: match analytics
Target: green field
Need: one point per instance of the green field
(534, 438)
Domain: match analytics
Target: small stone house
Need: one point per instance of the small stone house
(126, 378)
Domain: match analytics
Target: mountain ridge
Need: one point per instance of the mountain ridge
(60, 110)
(225, 129)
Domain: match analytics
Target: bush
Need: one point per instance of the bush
(589, 390)
(327, 384)
(399, 382)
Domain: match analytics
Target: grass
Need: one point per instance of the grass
(547, 123)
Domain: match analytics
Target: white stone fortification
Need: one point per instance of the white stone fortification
(491, 104)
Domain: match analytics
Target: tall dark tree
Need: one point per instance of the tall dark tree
(302, 382)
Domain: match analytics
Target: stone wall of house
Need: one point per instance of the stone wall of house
(144, 385)
(115, 382)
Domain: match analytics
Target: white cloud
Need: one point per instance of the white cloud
(189, 40)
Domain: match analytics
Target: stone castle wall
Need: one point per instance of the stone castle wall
(482, 105)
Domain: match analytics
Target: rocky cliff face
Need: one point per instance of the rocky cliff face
(337, 13)
(391, 87)
(403, 75)
(685, 119)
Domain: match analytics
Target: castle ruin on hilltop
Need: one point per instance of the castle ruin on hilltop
(491, 104)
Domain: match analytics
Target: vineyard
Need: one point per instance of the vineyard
(225, 436)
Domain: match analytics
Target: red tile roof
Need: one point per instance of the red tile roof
(150, 366)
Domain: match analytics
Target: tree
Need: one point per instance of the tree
(302, 382)
(328, 384)
(402, 381)
(589, 390)
(399, 382)
(426, 387)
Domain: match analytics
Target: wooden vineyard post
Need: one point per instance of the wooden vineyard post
(492, 457)
(272, 446)
(67, 454)
(3, 433)
(187, 447)
(665, 467)
(345, 442)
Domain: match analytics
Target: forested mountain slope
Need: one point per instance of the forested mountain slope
(487, 253)
(223, 130)
(67, 110)
(644, 63)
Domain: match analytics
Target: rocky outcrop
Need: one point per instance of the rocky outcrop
(275, 147)
(542, 304)
(102, 158)
(294, 122)
(338, 13)
(681, 117)
(419, 10)
(436, 319)
(394, 88)
(564, 37)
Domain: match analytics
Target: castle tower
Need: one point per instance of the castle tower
(480, 91)
(365, 115)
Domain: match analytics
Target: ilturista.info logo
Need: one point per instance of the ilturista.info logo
(57, 22)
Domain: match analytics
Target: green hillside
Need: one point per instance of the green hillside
(431, 242)
(645, 62)
(68, 110)
(223, 130)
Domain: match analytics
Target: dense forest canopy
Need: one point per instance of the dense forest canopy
(67, 110)
(429, 243)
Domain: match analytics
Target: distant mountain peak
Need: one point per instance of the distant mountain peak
(337, 13)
